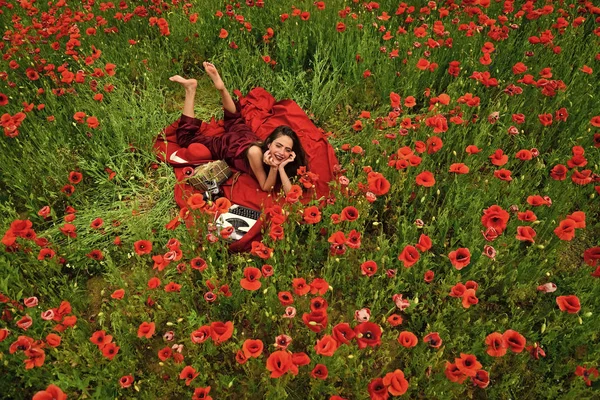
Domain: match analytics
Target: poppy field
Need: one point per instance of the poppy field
(457, 254)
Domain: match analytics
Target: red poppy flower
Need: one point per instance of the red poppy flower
(146, 329)
(343, 333)
(591, 256)
(319, 372)
(142, 247)
(316, 321)
(566, 229)
(438, 123)
(100, 338)
(319, 285)
(300, 286)
(394, 320)
(326, 346)
(394, 100)
(514, 340)
(3, 99)
(495, 217)
(349, 213)
(368, 334)
(260, 250)
(92, 122)
(469, 298)
(298, 360)
(496, 343)
(53, 340)
(526, 234)
(68, 190)
(240, 357)
(587, 374)
(582, 177)
(279, 363)
(460, 257)
(318, 303)
(499, 158)
(251, 280)
(252, 348)
(189, 374)
(467, 364)
(196, 201)
(353, 241)
(198, 264)
(368, 268)
(472, 149)
(424, 243)
(221, 331)
(528, 216)
(46, 254)
(408, 339)
(267, 270)
(312, 215)
(378, 390)
(434, 144)
(126, 381)
(396, 384)
(459, 168)
(434, 340)
(165, 353)
(569, 304)
(52, 392)
(118, 294)
(423, 64)
(519, 68)
(285, 298)
(223, 34)
(357, 126)
(425, 179)
(503, 174)
(110, 350)
(454, 374)
(378, 184)
(201, 334)
(481, 379)
(172, 287)
(537, 201)
(545, 119)
(409, 256)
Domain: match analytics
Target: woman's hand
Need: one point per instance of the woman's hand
(269, 159)
(291, 158)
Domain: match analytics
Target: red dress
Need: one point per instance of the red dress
(231, 146)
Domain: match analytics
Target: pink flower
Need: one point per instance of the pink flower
(362, 315)
(401, 303)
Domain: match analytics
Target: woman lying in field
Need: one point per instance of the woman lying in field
(275, 159)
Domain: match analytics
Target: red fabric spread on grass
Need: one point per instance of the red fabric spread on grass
(263, 114)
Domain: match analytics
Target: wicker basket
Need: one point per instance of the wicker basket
(208, 176)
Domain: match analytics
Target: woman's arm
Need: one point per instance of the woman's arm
(255, 158)
(285, 180)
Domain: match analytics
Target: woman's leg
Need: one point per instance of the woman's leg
(190, 93)
(226, 99)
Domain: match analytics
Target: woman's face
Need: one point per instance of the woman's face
(281, 148)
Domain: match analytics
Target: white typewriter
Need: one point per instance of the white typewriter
(241, 218)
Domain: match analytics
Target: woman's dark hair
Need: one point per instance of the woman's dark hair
(300, 160)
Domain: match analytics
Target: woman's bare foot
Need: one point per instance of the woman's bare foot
(211, 70)
(188, 84)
